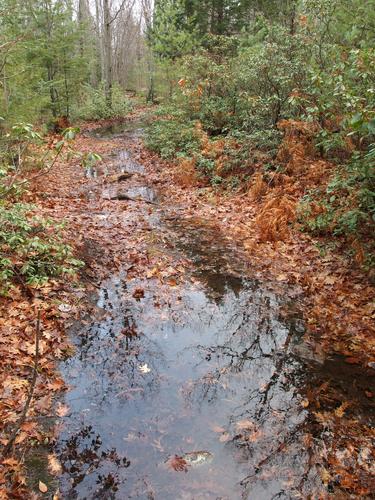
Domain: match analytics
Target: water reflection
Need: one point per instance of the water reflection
(202, 366)
(117, 129)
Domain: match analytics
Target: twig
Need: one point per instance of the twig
(121, 197)
(22, 419)
(48, 169)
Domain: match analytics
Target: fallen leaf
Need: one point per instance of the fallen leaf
(138, 293)
(224, 437)
(152, 273)
(12, 462)
(62, 410)
(64, 308)
(56, 385)
(144, 368)
(178, 464)
(352, 360)
(43, 487)
(281, 277)
(330, 280)
(54, 465)
(242, 425)
(325, 475)
(21, 437)
(217, 428)
(339, 412)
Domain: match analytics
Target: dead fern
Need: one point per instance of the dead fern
(275, 217)
(185, 174)
(258, 188)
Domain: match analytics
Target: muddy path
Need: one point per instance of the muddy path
(184, 350)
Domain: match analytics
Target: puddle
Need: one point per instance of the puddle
(191, 390)
(134, 193)
(118, 129)
(205, 365)
(127, 164)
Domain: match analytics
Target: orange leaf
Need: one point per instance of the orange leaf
(43, 487)
(62, 410)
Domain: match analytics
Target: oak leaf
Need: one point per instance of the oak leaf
(178, 464)
(62, 410)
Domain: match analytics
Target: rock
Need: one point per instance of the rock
(118, 177)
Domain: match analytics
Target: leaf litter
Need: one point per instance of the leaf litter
(339, 311)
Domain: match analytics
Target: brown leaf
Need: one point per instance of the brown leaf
(172, 282)
(56, 385)
(12, 462)
(21, 437)
(62, 410)
(224, 437)
(330, 280)
(352, 360)
(29, 426)
(178, 464)
(54, 465)
(138, 293)
(43, 487)
(217, 428)
(339, 412)
(243, 425)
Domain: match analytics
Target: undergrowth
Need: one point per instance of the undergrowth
(94, 105)
(264, 114)
(32, 248)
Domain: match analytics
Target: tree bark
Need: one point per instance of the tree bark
(107, 63)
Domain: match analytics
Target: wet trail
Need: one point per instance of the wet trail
(214, 363)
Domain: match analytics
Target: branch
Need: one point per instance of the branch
(48, 169)
(22, 419)
(120, 9)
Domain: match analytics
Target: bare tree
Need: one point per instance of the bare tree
(111, 11)
(148, 10)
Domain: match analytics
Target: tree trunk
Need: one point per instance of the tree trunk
(148, 12)
(107, 63)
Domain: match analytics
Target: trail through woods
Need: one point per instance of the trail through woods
(204, 363)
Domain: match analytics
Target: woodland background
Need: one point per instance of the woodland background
(234, 79)
(264, 112)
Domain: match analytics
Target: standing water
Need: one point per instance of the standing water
(191, 391)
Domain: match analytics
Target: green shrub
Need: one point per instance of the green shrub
(95, 107)
(348, 203)
(173, 133)
(32, 249)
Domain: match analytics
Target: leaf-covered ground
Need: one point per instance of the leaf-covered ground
(338, 303)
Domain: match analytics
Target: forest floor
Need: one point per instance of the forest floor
(335, 298)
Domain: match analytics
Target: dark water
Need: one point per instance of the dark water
(206, 365)
(127, 164)
(117, 129)
(213, 362)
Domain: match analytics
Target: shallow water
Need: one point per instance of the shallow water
(117, 129)
(212, 363)
(201, 366)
